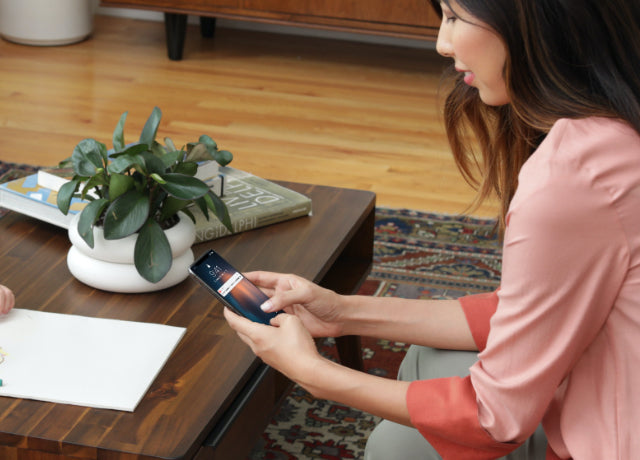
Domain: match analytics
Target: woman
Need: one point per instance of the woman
(551, 92)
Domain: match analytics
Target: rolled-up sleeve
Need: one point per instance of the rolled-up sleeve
(478, 309)
(564, 259)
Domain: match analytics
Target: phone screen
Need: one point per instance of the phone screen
(231, 287)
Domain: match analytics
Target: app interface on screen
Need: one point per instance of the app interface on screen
(233, 287)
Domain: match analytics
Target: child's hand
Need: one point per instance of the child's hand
(7, 299)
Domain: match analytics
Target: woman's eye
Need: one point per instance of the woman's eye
(450, 19)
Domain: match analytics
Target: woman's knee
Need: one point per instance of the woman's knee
(422, 363)
(391, 440)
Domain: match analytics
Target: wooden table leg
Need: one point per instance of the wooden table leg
(346, 276)
(350, 351)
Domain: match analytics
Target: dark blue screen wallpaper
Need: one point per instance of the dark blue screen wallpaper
(231, 287)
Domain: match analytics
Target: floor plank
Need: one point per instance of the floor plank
(296, 108)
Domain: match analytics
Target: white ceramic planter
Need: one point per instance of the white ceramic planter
(109, 264)
(46, 22)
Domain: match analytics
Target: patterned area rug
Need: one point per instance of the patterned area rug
(417, 255)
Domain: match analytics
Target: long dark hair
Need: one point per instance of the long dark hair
(565, 59)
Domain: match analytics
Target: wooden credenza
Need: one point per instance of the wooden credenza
(397, 18)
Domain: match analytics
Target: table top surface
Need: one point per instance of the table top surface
(210, 363)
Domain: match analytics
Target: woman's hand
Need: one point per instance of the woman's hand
(7, 299)
(319, 309)
(285, 345)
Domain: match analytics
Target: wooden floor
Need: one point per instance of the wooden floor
(297, 108)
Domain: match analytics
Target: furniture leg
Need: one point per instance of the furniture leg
(176, 29)
(207, 26)
(350, 351)
(348, 273)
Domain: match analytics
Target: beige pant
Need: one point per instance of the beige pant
(391, 441)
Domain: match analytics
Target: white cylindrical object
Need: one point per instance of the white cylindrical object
(110, 266)
(46, 22)
(181, 237)
(113, 277)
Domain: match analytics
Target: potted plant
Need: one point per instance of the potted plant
(140, 189)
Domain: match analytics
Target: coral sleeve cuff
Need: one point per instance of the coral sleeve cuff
(446, 413)
(478, 309)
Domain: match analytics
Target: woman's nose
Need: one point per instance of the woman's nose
(443, 44)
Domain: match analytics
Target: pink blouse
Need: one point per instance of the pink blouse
(560, 339)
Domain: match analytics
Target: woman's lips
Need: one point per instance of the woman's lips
(469, 77)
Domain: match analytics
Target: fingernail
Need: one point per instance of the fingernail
(266, 306)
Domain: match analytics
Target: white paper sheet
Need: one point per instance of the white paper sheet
(79, 360)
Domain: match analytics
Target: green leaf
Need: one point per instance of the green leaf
(171, 159)
(188, 167)
(95, 182)
(215, 203)
(159, 196)
(66, 163)
(198, 152)
(188, 212)
(131, 150)
(65, 194)
(223, 157)
(124, 163)
(202, 205)
(170, 208)
(208, 142)
(150, 129)
(184, 187)
(126, 215)
(158, 149)
(88, 156)
(153, 164)
(158, 178)
(170, 145)
(152, 252)
(118, 134)
(89, 215)
(119, 184)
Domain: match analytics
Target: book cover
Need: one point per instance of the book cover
(207, 169)
(25, 196)
(211, 176)
(252, 202)
(54, 178)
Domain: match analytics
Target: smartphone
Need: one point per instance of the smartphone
(230, 287)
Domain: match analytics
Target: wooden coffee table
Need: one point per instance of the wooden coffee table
(213, 397)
